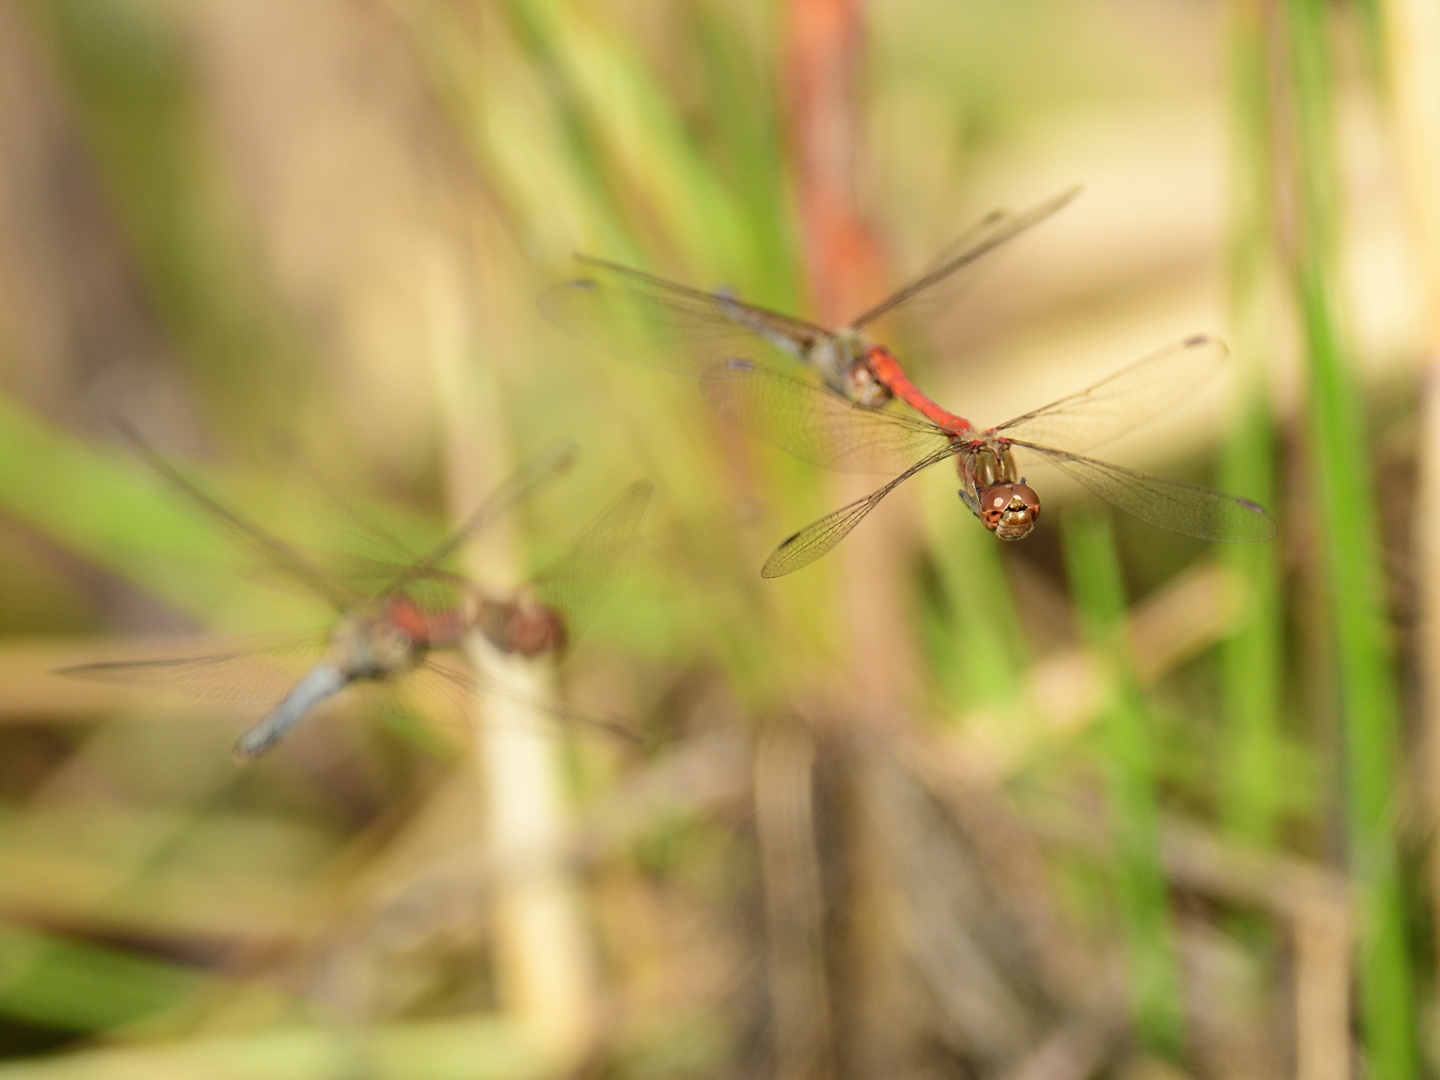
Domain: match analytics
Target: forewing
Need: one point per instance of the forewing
(368, 537)
(1173, 505)
(553, 463)
(448, 676)
(990, 233)
(814, 424)
(284, 557)
(573, 584)
(815, 540)
(247, 677)
(648, 319)
(1125, 400)
(257, 679)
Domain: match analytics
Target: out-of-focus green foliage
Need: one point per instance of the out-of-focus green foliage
(1127, 750)
(1369, 695)
(220, 222)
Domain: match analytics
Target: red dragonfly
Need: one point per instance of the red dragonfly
(620, 309)
(817, 426)
(421, 609)
(839, 427)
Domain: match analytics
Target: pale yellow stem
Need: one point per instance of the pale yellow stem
(543, 958)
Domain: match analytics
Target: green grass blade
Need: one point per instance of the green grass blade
(114, 512)
(77, 986)
(1098, 593)
(976, 641)
(1252, 658)
(124, 69)
(1353, 562)
(466, 1048)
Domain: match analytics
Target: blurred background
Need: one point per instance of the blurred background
(1107, 802)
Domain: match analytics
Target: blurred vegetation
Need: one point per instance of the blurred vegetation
(1105, 802)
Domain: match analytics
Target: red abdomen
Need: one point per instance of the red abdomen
(887, 370)
(434, 630)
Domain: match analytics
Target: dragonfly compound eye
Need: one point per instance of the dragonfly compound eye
(1010, 510)
(533, 628)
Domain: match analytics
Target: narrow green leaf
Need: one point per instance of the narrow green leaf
(77, 986)
(1353, 561)
(1129, 762)
(1252, 657)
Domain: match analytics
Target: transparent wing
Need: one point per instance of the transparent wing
(243, 676)
(573, 584)
(1173, 505)
(814, 424)
(1125, 400)
(372, 538)
(395, 564)
(815, 540)
(994, 230)
(257, 678)
(277, 553)
(525, 482)
(646, 318)
(459, 682)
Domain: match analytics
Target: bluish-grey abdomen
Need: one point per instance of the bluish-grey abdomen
(321, 682)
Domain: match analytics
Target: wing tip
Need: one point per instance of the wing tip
(243, 752)
(1267, 528)
(1203, 340)
(775, 566)
(565, 451)
(636, 499)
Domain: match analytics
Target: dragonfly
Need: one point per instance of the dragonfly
(619, 309)
(421, 609)
(818, 426)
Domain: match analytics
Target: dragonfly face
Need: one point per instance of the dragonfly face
(524, 626)
(1007, 506)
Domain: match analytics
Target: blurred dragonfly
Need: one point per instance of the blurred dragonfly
(420, 609)
(817, 426)
(620, 309)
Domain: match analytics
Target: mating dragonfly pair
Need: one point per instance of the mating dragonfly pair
(838, 418)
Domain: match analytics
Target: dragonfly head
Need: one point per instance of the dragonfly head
(525, 626)
(376, 645)
(1010, 510)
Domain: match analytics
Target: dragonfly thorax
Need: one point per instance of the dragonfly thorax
(1003, 502)
(378, 644)
(840, 358)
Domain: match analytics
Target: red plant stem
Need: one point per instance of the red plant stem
(845, 270)
(842, 257)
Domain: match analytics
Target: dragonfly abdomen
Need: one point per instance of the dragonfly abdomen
(887, 371)
(324, 681)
